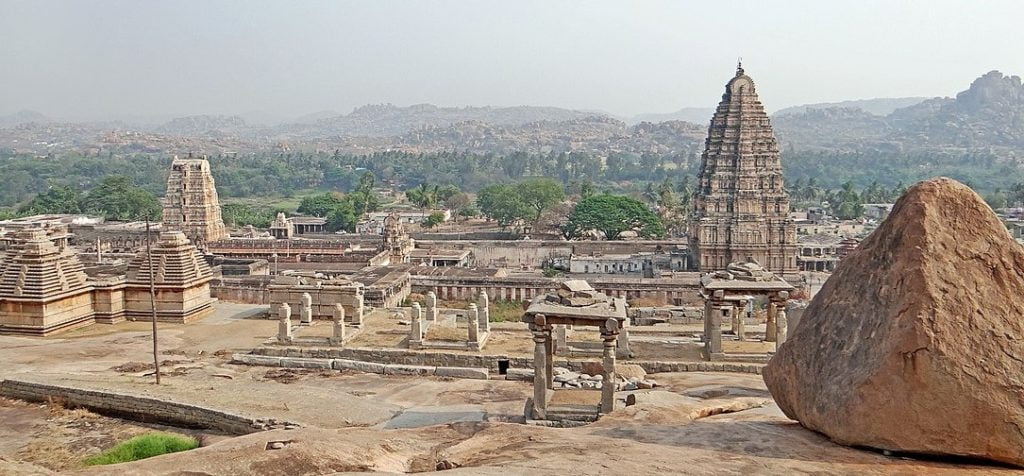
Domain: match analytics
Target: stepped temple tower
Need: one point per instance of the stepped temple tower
(43, 287)
(182, 281)
(191, 205)
(741, 210)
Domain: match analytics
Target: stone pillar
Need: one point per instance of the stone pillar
(306, 312)
(339, 325)
(708, 310)
(549, 360)
(431, 306)
(484, 304)
(540, 389)
(608, 335)
(416, 330)
(713, 346)
(739, 327)
(284, 325)
(474, 326)
(561, 339)
(780, 327)
(622, 341)
(769, 326)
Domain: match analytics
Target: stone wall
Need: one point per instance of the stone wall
(139, 408)
(533, 253)
(490, 362)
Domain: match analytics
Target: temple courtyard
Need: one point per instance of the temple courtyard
(328, 421)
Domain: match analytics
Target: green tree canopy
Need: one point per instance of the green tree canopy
(433, 220)
(63, 199)
(539, 194)
(117, 198)
(320, 205)
(613, 214)
(342, 217)
(501, 203)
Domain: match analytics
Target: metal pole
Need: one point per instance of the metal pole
(152, 298)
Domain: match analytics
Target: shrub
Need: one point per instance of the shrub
(144, 446)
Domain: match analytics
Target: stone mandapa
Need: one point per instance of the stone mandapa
(915, 343)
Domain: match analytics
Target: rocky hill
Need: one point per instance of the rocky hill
(989, 114)
(23, 117)
(383, 120)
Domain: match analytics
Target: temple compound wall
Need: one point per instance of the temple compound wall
(537, 253)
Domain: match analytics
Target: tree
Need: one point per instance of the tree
(320, 205)
(538, 194)
(364, 201)
(366, 183)
(458, 203)
(587, 189)
(342, 217)
(613, 214)
(501, 203)
(446, 192)
(116, 198)
(55, 200)
(423, 196)
(433, 220)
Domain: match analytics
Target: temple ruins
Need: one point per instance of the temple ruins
(574, 304)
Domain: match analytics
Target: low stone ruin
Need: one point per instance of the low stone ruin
(915, 344)
(434, 328)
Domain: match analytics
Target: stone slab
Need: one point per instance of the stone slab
(462, 372)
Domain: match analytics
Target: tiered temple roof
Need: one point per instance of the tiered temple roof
(36, 268)
(176, 262)
(740, 206)
(191, 204)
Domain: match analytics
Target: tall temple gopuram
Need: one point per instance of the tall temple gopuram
(741, 209)
(191, 205)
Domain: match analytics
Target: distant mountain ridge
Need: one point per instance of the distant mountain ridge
(24, 116)
(696, 115)
(988, 114)
(876, 106)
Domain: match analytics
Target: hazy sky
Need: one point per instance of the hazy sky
(89, 59)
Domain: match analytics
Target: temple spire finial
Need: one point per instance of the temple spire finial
(739, 66)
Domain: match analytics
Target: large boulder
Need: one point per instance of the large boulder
(916, 343)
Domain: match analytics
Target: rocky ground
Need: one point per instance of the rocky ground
(695, 423)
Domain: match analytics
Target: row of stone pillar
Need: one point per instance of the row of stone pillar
(285, 330)
(716, 311)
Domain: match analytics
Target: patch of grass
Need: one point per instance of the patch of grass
(142, 447)
(506, 311)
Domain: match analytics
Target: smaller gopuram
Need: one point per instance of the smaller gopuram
(182, 280)
(396, 241)
(281, 228)
(43, 288)
(576, 303)
(191, 205)
(728, 293)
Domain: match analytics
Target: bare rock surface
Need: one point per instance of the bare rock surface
(916, 343)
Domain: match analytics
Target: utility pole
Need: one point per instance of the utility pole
(152, 297)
